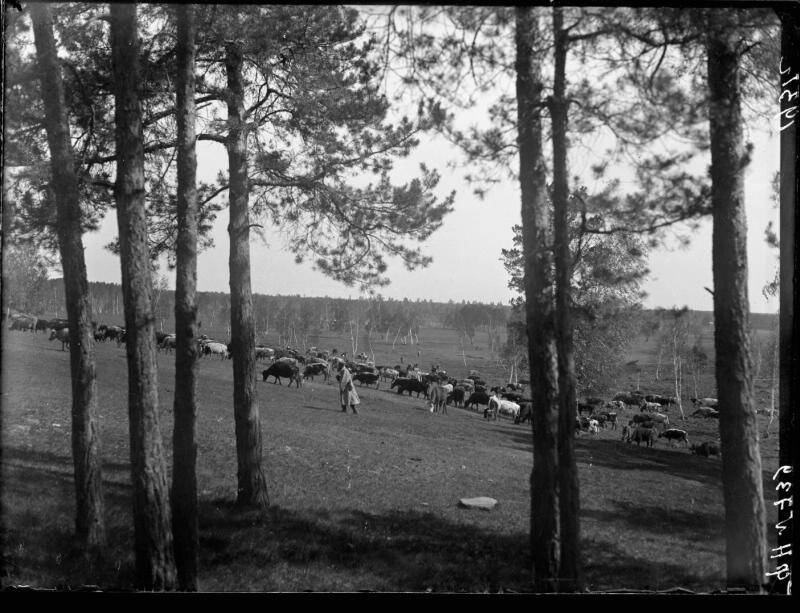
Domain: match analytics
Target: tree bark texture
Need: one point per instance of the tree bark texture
(252, 484)
(567, 470)
(745, 519)
(184, 473)
(155, 566)
(89, 521)
(545, 538)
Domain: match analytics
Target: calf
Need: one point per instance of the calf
(673, 436)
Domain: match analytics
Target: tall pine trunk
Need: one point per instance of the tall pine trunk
(184, 474)
(155, 566)
(545, 545)
(745, 520)
(567, 471)
(252, 484)
(89, 521)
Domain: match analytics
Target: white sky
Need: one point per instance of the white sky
(466, 250)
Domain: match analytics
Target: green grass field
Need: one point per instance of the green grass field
(358, 502)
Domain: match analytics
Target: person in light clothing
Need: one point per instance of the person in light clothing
(348, 397)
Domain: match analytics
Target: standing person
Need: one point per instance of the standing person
(347, 391)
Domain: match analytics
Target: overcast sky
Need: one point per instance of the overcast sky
(466, 250)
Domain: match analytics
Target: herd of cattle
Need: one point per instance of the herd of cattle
(649, 424)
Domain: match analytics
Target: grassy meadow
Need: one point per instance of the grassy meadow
(361, 502)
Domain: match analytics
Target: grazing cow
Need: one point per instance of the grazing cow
(649, 406)
(457, 396)
(706, 449)
(115, 333)
(662, 400)
(24, 323)
(497, 406)
(437, 395)
(705, 402)
(477, 398)
(617, 405)
(367, 378)
(62, 335)
(525, 412)
(643, 435)
(214, 348)
(660, 419)
(629, 399)
(674, 435)
(407, 384)
(283, 370)
(41, 324)
(315, 369)
(168, 343)
(706, 412)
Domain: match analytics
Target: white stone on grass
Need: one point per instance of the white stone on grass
(481, 502)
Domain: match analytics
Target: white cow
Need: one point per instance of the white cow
(650, 406)
(705, 402)
(499, 405)
(215, 348)
(594, 427)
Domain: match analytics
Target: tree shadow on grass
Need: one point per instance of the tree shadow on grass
(407, 550)
(38, 525)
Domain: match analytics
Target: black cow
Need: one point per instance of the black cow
(525, 412)
(512, 396)
(477, 398)
(41, 324)
(457, 396)
(582, 406)
(283, 370)
(662, 400)
(643, 435)
(367, 378)
(313, 370)
(641, 418)
(674, 435)
(405, 384)
(706, 449)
